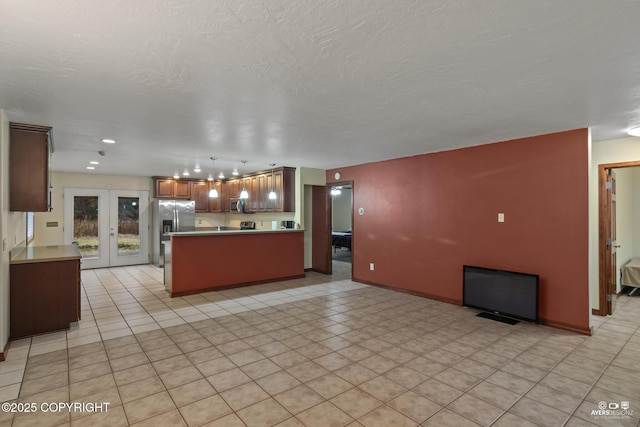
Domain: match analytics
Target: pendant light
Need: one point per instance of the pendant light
(213, 193)
(243, 194)
(272, 194)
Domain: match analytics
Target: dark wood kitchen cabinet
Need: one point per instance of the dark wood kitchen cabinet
(44, 296)
(258, 185)
(200, 195)
(29, 157)
(252, 203)
(169, 188)
(284, 186)
(215, 204)
(164, 188)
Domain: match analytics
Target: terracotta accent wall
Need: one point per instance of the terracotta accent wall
(426, 216)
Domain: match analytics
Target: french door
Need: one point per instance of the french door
(109, 226)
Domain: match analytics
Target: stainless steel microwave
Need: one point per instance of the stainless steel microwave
(236, 206)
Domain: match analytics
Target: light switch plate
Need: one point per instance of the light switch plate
(500, 217)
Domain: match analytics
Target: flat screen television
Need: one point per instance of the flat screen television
(502, 294)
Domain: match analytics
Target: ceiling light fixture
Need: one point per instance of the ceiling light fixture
(185, 173)
(213, 193)
(272, 194)
(235, 172)
(336, 191)
(634, 131)
(94, 163)
(210, 178)
(90, 167)
(243, 194)
(175, 175)
(109, 141)
(197, 169)
(221, 175)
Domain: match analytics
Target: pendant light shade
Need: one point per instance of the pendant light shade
(243, 194)
(213, 193)
(272, 194)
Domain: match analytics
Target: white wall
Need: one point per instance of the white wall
(604, 152)
(635, 173)
(12, 229)
(624, 218)
(341, 211)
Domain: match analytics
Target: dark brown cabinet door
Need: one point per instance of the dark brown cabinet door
(182, 190)
(44, 297)
(164, 188)
(215, 204)
(251, 184)
(263, 193)
(200, 194)
(278, 185)
(29, 168)
(234, 188)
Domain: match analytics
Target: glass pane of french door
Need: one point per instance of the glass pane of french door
(85, 225)
(128, 226)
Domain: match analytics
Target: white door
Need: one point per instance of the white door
(110, 226)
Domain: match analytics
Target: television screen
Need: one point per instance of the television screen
(504, 293)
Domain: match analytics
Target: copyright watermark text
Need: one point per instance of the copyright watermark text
(56, 407)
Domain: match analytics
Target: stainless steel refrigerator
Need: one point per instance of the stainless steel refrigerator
(170, 216)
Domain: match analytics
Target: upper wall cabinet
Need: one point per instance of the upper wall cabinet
(30, 149)
(169, 188)
(200, 194)
(258, 185)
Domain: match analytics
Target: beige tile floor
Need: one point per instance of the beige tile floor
(319, 351)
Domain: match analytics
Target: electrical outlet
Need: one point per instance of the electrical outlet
(371, 266)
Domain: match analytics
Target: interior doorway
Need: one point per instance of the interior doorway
(341, 223)
(109, 226)
(610, 255)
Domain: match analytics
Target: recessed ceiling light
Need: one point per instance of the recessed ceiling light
(197, 169)
(634, 131)
(94, 163)
(90, 167)
(109, 141)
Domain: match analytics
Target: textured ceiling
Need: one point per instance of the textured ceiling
(311, 83)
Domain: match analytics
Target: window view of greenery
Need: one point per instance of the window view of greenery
(128, 226)
(85, 225)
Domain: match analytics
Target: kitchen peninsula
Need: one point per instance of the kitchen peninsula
(202, 261)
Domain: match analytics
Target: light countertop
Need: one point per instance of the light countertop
(30, 254)
(227, 232)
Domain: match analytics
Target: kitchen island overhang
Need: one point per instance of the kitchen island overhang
(203, 261)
